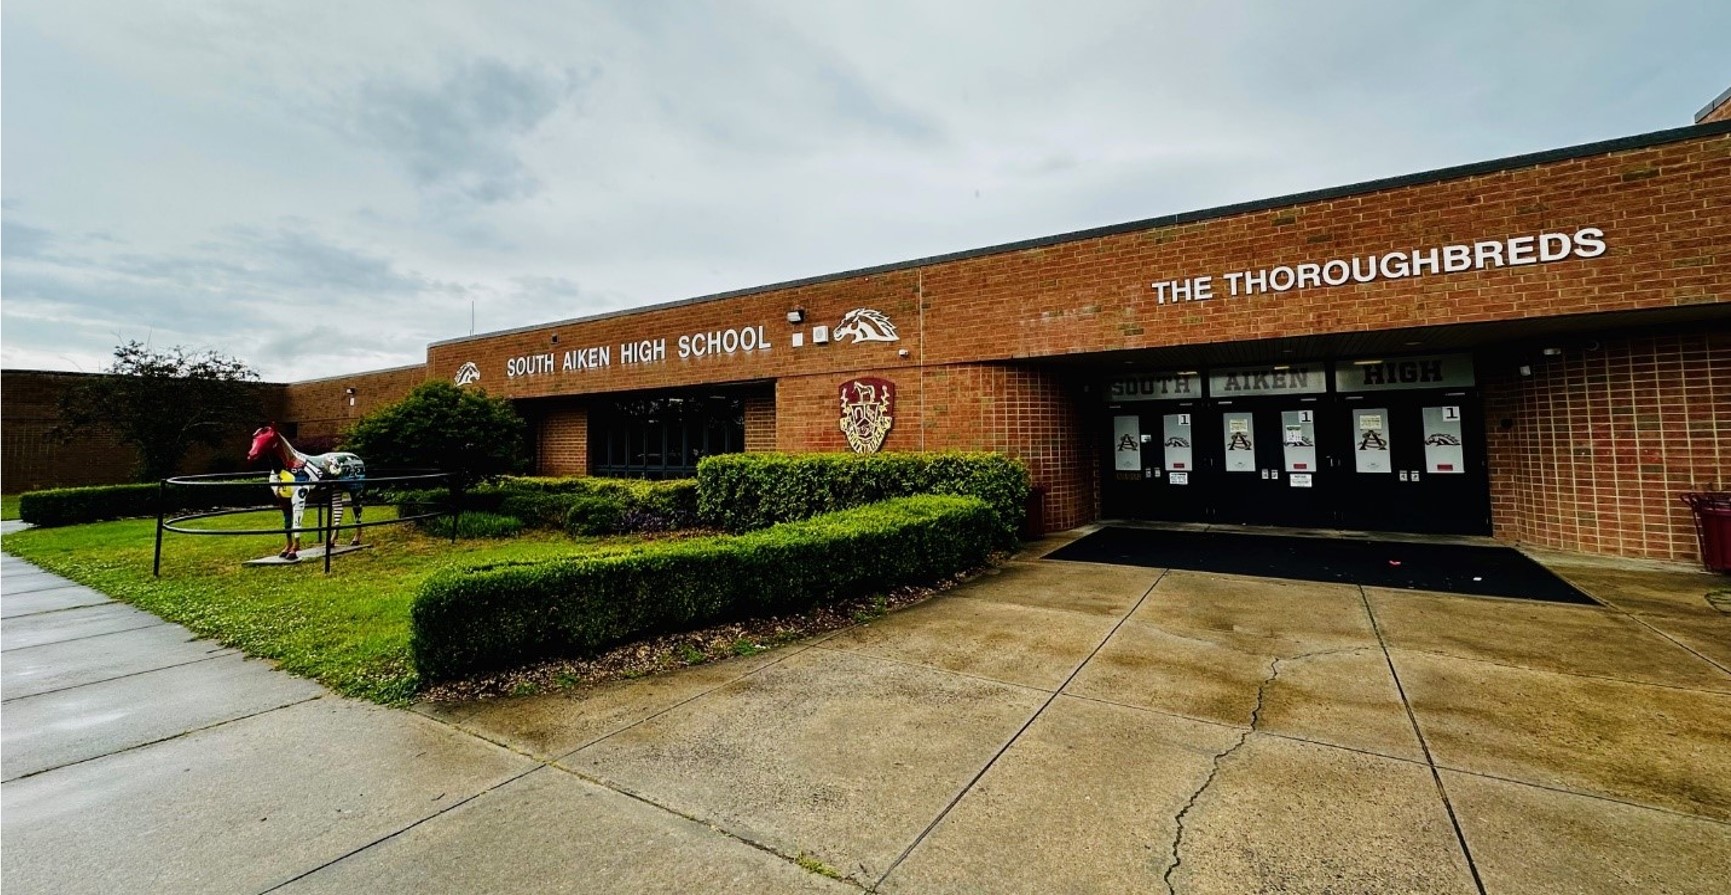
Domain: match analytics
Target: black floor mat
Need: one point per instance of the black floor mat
(1450, 568)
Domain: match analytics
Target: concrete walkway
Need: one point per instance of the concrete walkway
(1053, 727)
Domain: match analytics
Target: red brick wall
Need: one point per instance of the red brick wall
(1721, 112)
(1027, 413)
(562, 441)
(31, 458)
(760, 423)
(322, 407)
(1602, 440)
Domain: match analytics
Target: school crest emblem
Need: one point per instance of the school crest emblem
(466, 374)
(867, 411)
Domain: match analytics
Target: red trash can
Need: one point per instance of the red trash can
(1712, 527)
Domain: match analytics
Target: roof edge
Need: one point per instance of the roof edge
(404, 368)
(1455, 172)
(1720, 100)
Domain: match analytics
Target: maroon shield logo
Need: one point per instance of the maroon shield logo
(868, 406)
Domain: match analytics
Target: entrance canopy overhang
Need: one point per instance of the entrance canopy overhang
(1533, 333)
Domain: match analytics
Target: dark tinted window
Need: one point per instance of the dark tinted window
(663, 438)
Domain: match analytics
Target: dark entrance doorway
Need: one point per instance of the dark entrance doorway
(1367, 445)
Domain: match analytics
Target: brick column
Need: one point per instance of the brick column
(564, 442)
(760, 423)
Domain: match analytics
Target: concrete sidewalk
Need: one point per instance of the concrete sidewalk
(1048, 727)
(139, 759)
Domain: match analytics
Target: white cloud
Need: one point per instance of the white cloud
(325, 187)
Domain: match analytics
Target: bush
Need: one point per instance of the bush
(740, 492)
(474, 619)
(594, 514)
(475, 525)
(462, 431)
(547, 502)
(74, 506)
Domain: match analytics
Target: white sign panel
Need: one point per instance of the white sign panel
(1176, 442)
(1285, 379)
(1155, 387)
(1300, 479)
(1298, 440)
(1240, 433)
(1126, 443)
(1429, 371)
(1370, 440)
(1443, 451)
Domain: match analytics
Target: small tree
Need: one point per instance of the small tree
(164, 402)
(462, 431)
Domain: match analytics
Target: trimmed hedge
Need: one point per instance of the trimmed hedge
(474, 619)
(75, 506)
(633, 504)
(475, 525)
(741, 492)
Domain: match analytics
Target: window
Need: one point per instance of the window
(663, 438)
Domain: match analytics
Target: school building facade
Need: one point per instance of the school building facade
(1536, 348)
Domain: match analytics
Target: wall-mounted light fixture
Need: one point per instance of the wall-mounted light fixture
(555, 338)
(351, 393)
(797, 315)
(1552, 352)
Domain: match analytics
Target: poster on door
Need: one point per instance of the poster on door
(1370, 439)
(1240, 433)
(1127, 443)
(1176, 441)
(1443, 451)
(1298, 440)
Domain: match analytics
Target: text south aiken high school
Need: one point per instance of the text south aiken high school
(1536, 348)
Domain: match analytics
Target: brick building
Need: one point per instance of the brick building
(1536, 347)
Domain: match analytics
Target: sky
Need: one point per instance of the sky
(321, 188)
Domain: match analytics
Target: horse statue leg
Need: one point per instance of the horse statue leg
(288, 548)
(355, 502)
(296, 513)
(336, 519)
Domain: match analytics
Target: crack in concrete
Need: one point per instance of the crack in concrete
(1214, 771)
(1220, 757)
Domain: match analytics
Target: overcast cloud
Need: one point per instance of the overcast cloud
(322, 188)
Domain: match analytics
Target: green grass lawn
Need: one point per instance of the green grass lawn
(8, 507)
(348, 630)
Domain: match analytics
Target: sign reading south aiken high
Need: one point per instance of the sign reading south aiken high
(858, 325)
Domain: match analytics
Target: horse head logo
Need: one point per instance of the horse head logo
(867, 325)
(466, 374)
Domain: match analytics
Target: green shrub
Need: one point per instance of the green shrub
(468, 620)
(740, 492)
(74, 506)
(437, 425)
(594, 514)
(547, 502)
(475, 525)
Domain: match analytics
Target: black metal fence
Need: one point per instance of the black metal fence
(322, 497)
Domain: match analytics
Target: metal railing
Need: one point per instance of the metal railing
(326, 492)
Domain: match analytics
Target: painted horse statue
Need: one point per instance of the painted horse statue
(335, 476)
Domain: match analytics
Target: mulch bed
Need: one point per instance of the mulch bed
(672, 651)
